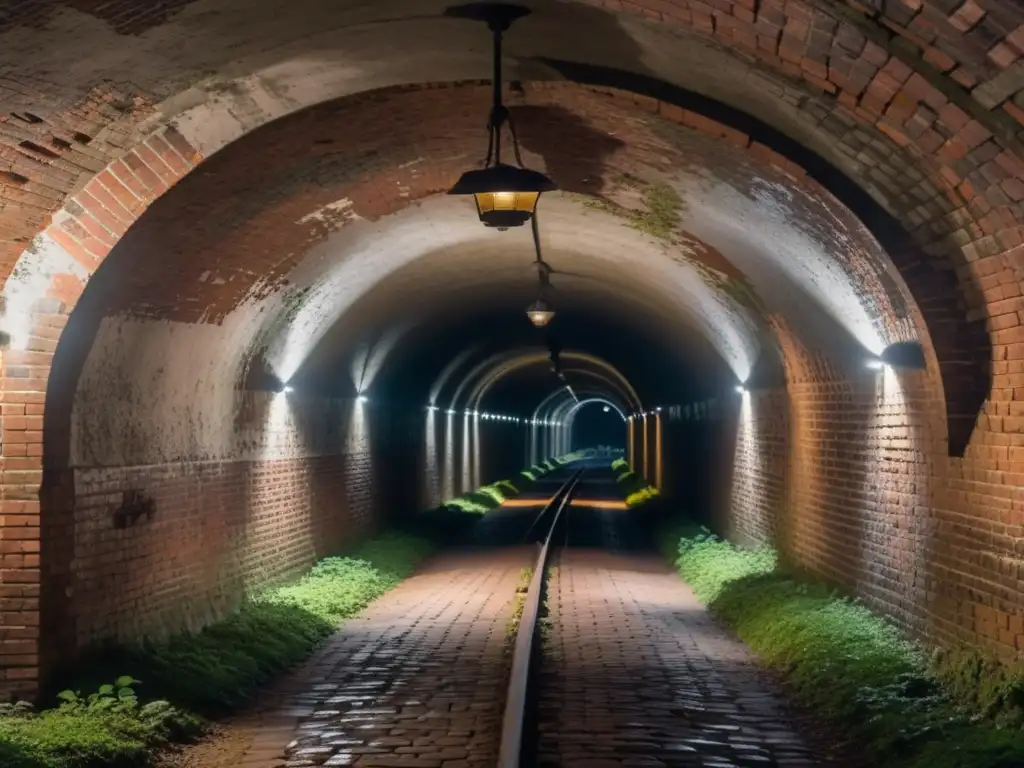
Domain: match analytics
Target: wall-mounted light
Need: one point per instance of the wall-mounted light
(740, 388)
(286, 389)
(361, 398)
(451, 411)
(431, 407)
(875, 364)
(903, 355)
(606, 409)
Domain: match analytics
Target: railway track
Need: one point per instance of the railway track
(517, 747)
(635, 686)
(631, 671)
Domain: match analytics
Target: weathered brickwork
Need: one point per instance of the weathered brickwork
(147, 550)
(749, 513)
(846, 476)
(217, 530)
(920, 103)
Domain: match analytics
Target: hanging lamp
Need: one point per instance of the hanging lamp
(540, 312)
(506, 195)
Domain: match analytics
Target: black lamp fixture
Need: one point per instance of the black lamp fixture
(506, 195)
(540, 312)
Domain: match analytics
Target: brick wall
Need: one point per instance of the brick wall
(218, 529)
(147, 549)
(848, 476)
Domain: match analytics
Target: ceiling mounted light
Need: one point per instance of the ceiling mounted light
(506, 195)
(540, 313)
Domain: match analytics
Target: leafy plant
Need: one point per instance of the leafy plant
(108, 727)
(210, 672)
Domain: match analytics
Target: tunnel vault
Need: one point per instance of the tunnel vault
(809, 182)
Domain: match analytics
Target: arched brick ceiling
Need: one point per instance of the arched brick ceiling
(449, 357)
(525, 375)
(915, 103)
(577, 366)
(601, 266)
(309, 259)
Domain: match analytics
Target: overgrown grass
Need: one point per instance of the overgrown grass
(204, 673)
(637, 490)
(484, 499)
(906, 709)
(216, 670)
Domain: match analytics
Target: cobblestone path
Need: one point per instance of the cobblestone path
(417, 680)
(637, 673)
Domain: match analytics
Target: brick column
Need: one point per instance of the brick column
(22, 396)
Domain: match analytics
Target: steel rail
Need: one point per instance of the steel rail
(522, 656)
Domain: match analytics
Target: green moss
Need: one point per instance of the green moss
(522, 588)
(990, 687)
(738, 289)
(845, 662)
(660, 215)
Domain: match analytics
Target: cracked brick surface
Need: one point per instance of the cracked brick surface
(637, 673)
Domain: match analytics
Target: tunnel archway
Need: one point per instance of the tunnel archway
(714, 231)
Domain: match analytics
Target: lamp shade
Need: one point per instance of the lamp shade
(540, 313)
(506, 196)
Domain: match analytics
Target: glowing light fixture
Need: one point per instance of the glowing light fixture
(287, 389)
(606, 409)
(361, 398)
(740, 388)
(506, 195)
(540, 313)
(875, 364)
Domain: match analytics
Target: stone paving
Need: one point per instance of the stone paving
(417, 680)
(637, 673)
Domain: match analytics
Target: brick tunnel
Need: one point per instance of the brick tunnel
(244, 326)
